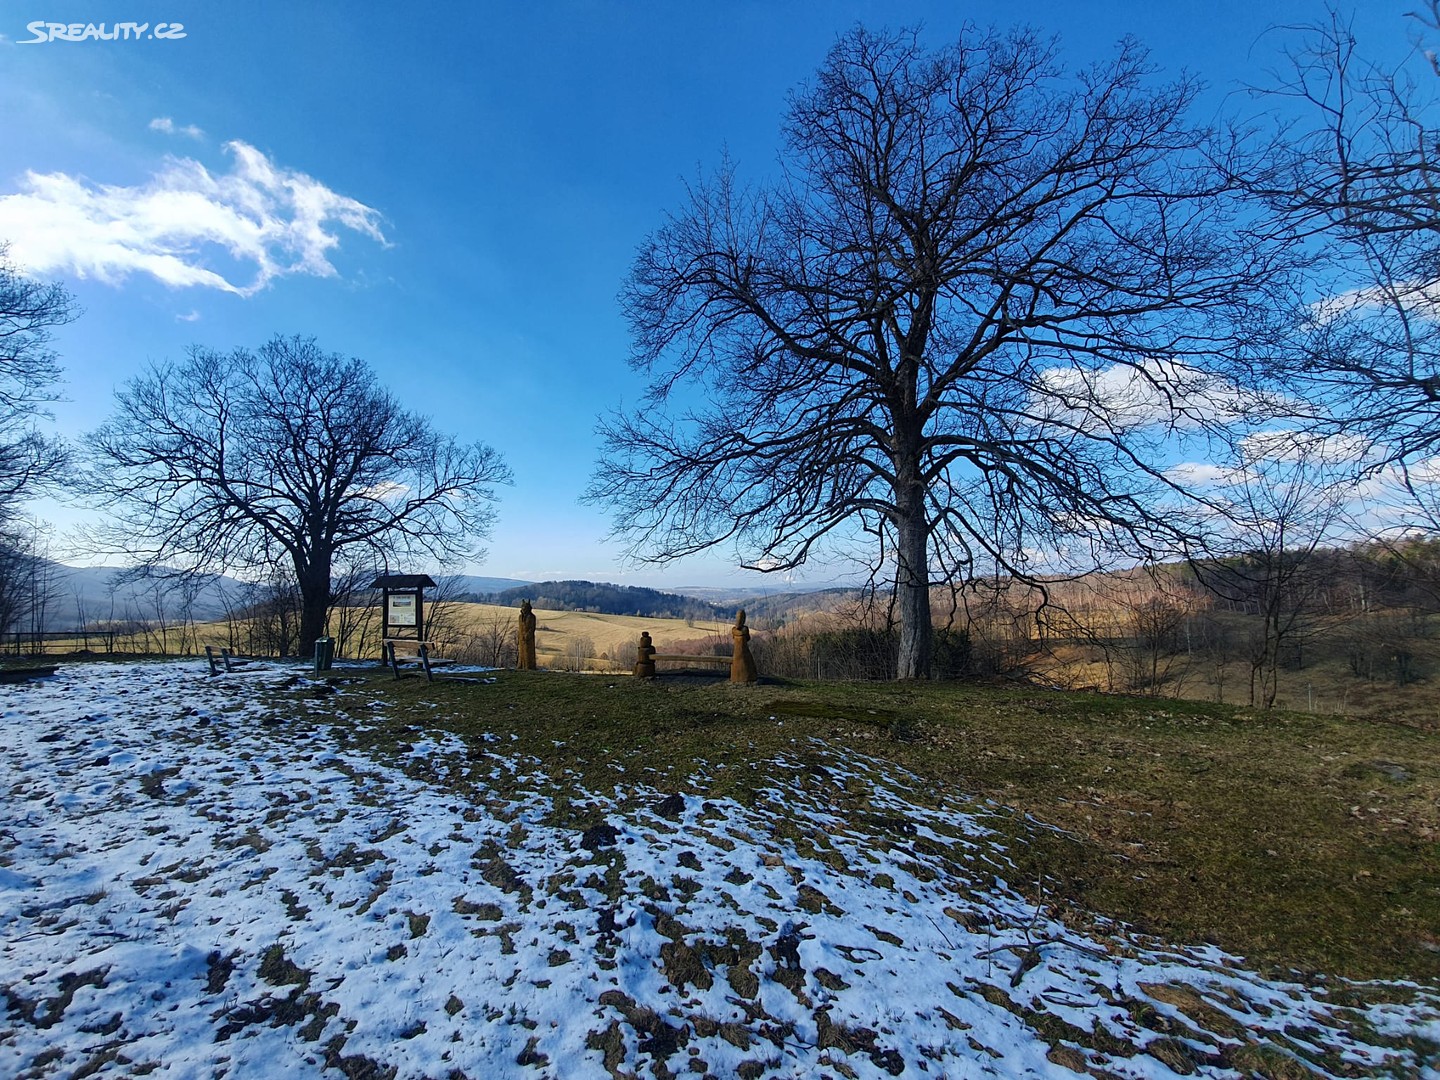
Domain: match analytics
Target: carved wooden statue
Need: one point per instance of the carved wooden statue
(645, 657)
(526, 638)
(742, 663)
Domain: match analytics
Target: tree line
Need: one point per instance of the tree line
(607, 599)
(994, 318)
(1324, 630)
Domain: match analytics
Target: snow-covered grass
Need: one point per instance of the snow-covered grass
(209, 877)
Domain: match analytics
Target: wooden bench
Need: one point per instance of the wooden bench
(226, 661)
(420, 658)
(24, 674)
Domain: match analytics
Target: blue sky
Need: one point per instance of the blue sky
(485, 170)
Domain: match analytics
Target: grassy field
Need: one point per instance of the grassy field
(1309, 845)
(1326, 684)
(556, 632)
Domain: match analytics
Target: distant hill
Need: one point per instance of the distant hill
(470, 584)
(608, 599)
(776, 608)
(728, 594)
(81, 594)
(92, 594)
(772, 604)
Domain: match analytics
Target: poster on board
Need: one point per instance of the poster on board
(402, 611)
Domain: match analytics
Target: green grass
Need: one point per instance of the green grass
(1306, 844)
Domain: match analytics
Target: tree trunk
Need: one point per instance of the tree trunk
(912, 595)
(314, 582)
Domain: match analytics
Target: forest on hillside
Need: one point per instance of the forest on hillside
(606, 599)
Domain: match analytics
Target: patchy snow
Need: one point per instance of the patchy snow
(194, 884)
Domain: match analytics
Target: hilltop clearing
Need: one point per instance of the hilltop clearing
(556, 876)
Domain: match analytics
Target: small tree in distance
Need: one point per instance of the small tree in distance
(1285, 506)
(978, 289)
(287, 456)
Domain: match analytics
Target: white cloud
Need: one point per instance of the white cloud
(1405, 499)
(1197, 474)
(167, 126)
(1419, 298)
(1425, 471)
(388, 490)
(1281, 456)
(1297, 447)
(189, 316)
(280, 220)
(1156, 392)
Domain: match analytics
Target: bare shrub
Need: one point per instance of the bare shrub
(576, 655)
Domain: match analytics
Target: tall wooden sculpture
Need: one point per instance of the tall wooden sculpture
(526, 638)
(742, 663)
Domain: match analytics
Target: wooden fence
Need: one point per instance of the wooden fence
(39, 642)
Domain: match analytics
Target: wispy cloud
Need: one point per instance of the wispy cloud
(1154, 393)
(172, 227)
(1198, 474)
(167, 126)
(1290, 446)
(1418, 297)
(1272, 453)
(189, 316)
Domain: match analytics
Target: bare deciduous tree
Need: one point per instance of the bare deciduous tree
(1286, 504)
(354, 617)
(29, 310)
(27, 585)
(242, 461)
(1154, 657)
(493, 640)
(1356, 180)
(977, 287)
(270, 616)
(576, 654)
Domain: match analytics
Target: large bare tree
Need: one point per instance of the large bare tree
(238, 461)
(976, 292)
(30, 460)
(29, 311)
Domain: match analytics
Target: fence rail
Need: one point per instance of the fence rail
(40, 642)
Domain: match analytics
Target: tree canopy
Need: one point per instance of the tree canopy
(956, 320)
(1354, 179)
(284, 455)
(29, 310)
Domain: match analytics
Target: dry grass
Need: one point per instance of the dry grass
(612, 635)
(1304, 843)
(557, 633)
